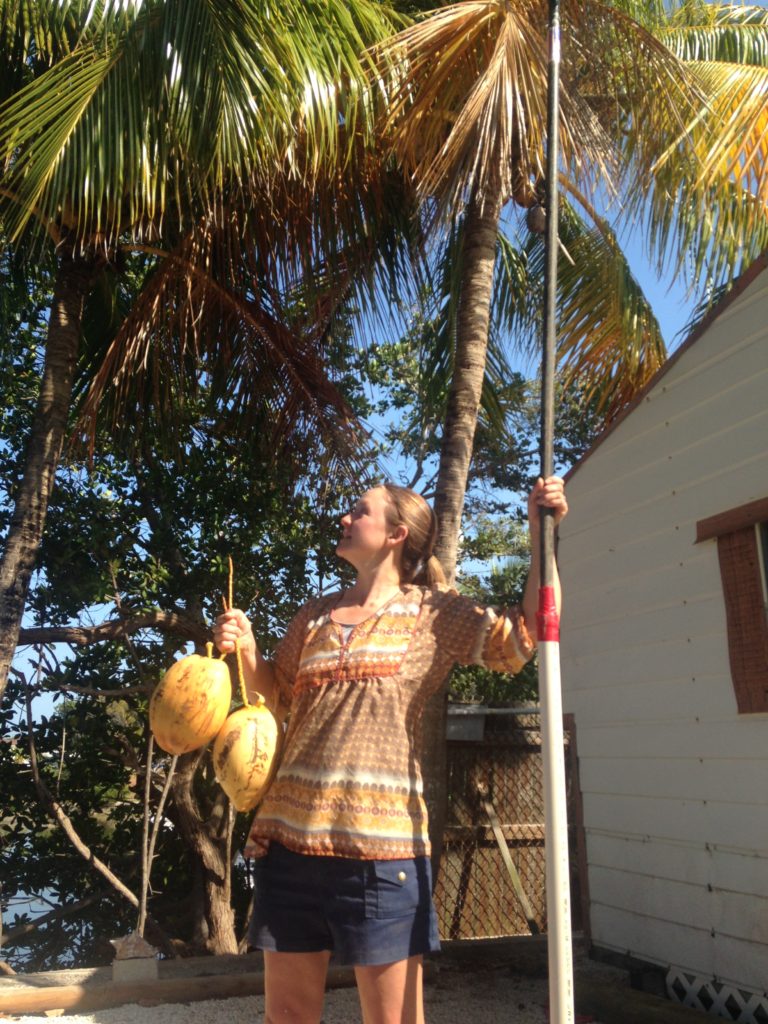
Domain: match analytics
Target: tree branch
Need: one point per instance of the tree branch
(116, 629)
(57, 811)
(148, 848)
(53, 915)
(90, 691)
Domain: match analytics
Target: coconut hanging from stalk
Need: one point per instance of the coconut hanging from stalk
(244, 754)
(190, 703)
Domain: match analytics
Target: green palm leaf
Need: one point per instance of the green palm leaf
(172, 101)
(33, 36)
(731, 137)
(717, 32)
(710, 212)
(609, 341)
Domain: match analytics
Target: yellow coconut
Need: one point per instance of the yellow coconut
(244, 754)
(190, 703)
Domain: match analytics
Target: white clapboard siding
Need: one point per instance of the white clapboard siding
(692, 737)
(683, 861)
(684, 903)
(715, 956)
(674, 781)
(662, 817)
(700, 778)
(642, 698)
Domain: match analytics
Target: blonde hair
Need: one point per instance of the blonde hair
(409, 509)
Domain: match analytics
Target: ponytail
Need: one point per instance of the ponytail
(409, 509)
(430, 574)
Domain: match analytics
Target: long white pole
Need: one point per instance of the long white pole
(561, 1010)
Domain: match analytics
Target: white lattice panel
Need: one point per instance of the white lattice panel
(713, 997)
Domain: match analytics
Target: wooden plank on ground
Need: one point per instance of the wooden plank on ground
(25, 999)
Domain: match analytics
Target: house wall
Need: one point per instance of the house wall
(674, 781)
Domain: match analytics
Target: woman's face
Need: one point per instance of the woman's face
(366, 531)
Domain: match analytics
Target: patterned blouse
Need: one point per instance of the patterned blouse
(349, 782)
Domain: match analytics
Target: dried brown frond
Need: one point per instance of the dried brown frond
(467, 91)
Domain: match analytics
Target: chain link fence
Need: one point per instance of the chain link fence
(495, 801)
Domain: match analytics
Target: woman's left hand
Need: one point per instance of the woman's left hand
(549, 493)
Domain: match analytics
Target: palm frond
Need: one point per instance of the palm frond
(513, 290)
(609, 341)
(33, 36)
(438, 341)
(469, 99)
(713, 235)
(706, 215)
(714, 297)
(170, 102)
(467, 102)
(260, 365)
(713, 216)
(248, 298)
(730, 139)
(734, 33)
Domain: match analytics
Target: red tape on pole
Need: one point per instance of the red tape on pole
(547, 619)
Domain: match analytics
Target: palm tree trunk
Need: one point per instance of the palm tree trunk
(73, 282)
(473, 319)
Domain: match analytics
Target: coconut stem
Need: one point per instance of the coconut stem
(240, 676)
(228, 603)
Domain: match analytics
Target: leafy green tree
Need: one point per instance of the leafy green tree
(141, 546)
(131, 573)
(207, 137)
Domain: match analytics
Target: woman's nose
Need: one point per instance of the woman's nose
(346, 519)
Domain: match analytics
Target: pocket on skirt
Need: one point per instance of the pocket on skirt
(397, 887)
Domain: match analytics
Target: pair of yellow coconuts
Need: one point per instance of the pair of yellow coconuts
(190, 707)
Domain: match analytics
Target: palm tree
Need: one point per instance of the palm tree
(147, 127)
(467, 110)
(226, 149)
(467, 116)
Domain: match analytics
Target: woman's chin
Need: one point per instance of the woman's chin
(342, 551)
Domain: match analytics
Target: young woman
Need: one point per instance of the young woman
(340, 840)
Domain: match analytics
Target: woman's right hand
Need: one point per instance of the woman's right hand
(231, 626)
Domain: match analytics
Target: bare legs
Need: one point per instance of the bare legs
(392, 993)
(295, 988)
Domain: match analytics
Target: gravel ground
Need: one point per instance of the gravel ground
(513, 999)
(467, 993)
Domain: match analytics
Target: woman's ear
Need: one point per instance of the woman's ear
(399, 534)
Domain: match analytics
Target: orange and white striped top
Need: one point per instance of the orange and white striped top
(349, 782)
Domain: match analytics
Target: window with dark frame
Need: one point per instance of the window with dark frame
(742, 547)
